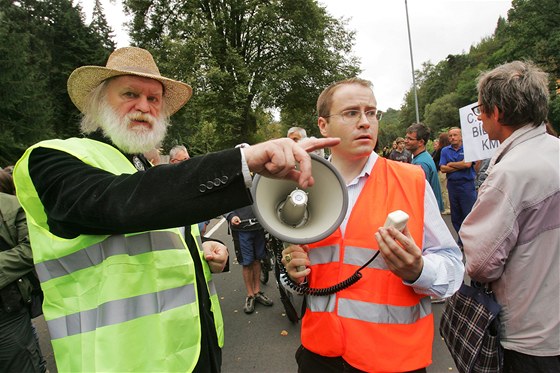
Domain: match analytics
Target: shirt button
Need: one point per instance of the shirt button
(209, 185)
(224, 179)
(217, 182)
(202, 188)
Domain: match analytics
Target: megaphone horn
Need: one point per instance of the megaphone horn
(301, 216)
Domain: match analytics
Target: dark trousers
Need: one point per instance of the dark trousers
(462, 196)
(310, 362)
(19, 349)
(515, 362)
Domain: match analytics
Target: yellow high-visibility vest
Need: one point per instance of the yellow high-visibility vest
(115, 303)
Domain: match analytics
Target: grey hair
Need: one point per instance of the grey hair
(176, 149)
(301, 131)
(518, 89)
(92, 108)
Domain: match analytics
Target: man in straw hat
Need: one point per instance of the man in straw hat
(123, 290)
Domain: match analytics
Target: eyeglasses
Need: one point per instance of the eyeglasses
(354, 116)
(409, 138)
(476, 110)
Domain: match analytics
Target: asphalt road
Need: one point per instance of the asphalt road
(266, 340)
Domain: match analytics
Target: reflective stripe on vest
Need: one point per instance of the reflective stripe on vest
(378, 323)
(121, 310)
(371, 312)
(97, 253)
(130, 290)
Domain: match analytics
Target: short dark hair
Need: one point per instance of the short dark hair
(324, 102)
(422, 131)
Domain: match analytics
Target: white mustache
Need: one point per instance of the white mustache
(141, 117)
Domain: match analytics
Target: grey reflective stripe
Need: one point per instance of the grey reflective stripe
(358, 256)
(122, 310)
(114, 245)
(212, 288)
(324, 254)
(321, 303)
(384, 313)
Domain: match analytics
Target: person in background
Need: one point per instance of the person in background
(417, 136)
(100, 217)
(297, 134)
(19, 344)
(400, 154)
(436, 147)
(383, 322)
(249, 240)
(511, 237)
(443, 141)
(460, 179)
(178, 153)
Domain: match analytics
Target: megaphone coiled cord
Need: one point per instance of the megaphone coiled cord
(306, 290)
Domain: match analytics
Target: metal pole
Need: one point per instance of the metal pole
(412, 64)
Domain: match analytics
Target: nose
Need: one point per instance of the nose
(363, 121)
(142, 104)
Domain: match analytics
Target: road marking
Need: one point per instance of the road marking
(215, 227)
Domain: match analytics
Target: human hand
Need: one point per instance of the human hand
(278, 158)
(293, 257)
(216, 255)
(235, 220)
(400, 252)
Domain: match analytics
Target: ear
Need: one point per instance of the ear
(323, 126)
(496, 116)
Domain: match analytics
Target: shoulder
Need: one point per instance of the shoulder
(9, 206)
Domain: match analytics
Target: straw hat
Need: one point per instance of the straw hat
(126, 61)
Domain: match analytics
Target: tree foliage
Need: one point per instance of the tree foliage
(42, 43)
(531, 32)
(243, 57)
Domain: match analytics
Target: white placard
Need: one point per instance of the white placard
(476, 143)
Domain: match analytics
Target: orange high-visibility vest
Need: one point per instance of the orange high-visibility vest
(378, 324)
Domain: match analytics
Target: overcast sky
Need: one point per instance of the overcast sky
(437, 28)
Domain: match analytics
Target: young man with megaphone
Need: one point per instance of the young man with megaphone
(382, 322)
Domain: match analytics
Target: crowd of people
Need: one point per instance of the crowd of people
(101, 214)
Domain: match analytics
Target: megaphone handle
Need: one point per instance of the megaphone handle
(299, 268)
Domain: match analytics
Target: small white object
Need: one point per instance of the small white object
(397, 219)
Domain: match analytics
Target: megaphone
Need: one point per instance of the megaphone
(301, 216)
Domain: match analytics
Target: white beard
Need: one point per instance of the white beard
(138, 139)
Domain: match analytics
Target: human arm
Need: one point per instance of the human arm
(488, 245)
(442, 268)
(17, 260)
(277, 158)
(455, 166)
(82, 199)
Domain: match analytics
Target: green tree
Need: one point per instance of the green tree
(26, 106)
(443, 113)
(242, 57)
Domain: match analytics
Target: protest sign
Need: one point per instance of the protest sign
(476, 143)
